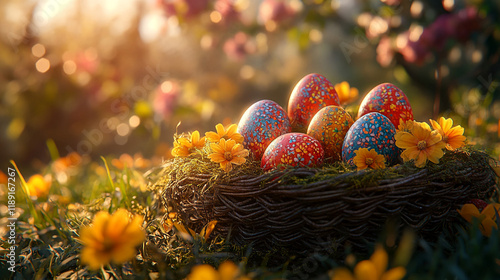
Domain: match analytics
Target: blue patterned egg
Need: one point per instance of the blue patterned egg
(373, 131)
(293, 149)
(261, 123)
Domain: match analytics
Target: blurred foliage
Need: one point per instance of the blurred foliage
(107, 77)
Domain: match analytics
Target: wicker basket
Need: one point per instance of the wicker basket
(305, 208)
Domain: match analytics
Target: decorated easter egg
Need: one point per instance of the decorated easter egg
(293, 149)
(310, 94)
(388, 100)
(373, 131)
(261, 124)
(329, 126)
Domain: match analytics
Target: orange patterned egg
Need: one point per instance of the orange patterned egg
(329, 126)
(388, 100)
(293, 149)
(310, 94)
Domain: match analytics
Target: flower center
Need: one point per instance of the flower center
(369, 161)
(422, 145)
(228, 156)
(445, 139)
(107, 245)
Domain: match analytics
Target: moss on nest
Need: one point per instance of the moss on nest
(450, 164)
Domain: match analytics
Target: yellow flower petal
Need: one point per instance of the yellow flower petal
(212, 136)
(97, 229)
(238, 160)
(134, 233)
(228, 270)
(111, 238)
(231, 130)
(116, 224)
(368, 158)
(220, 130)
(227, 153)
(93, 258)
(491, 210)
(38, 186)
(203, 272)
(342, 273)
(396, 273)
(217, 158)
(420, 144)
(452, 136)
(487, 226)
(421, 131)
(366, 270)
(445, 123)
(230, 144)
(434, 153)
(195, 136)
(421, 160)
(468, 211)
(207, 230)
(405, 140)
(345, 93)
(123, 254)
(226, 166)
(380, 259)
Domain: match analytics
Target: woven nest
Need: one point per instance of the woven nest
(304, 208)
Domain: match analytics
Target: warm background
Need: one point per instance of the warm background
(111, 77)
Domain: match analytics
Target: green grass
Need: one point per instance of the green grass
(48, 229)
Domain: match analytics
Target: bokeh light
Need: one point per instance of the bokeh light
(38, 50)
(42, 65)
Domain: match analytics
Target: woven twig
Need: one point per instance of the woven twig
(308, 208)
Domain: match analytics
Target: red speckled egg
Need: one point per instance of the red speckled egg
(329, 126)
(261, 124)
(293, 149)
(388, 100)
(310, 94)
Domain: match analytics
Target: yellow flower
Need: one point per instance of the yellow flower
(38, 186)
(368, 159)
(62, 164)
(203, 272)
(346, 93)
(222, 133)
(187, 233)
(420, 144)
(452, 136)
(486, 217)
(373, 269)
(111, 238)
(227, 271)
(126, 160)
(184, 147)
(228, 152)
(405, 126)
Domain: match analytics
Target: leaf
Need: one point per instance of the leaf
(207, 230)
(182, 232)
